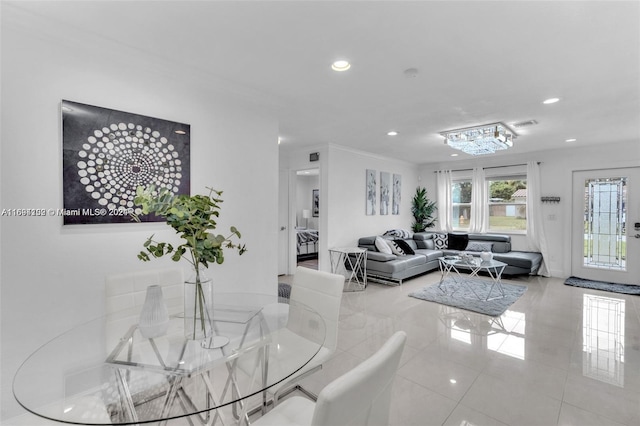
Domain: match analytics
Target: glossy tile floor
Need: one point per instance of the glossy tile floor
(559, 355)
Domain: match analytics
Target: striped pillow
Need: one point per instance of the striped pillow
(395, 248)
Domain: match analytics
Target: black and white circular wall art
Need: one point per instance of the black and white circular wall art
(108, 154)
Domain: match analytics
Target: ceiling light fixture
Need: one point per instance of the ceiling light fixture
(340, 65)
(551, 101)
(480, 140)
(180, 132)
(570, 140)
(392, 133)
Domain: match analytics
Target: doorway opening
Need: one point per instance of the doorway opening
(307, 215)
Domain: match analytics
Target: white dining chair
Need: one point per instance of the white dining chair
(361, 396)
(127, 290)
(322, 292)
(125, 293)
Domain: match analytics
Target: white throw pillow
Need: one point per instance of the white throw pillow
(382, 246)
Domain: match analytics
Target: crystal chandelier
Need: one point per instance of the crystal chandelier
(480, 140)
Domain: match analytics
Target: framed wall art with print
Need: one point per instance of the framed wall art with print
(397, 194)
(385, 193)
(107, 154)
(315, 202)
(370, 192)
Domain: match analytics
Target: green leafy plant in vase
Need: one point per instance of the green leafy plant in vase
(193, 219)
(422, 209)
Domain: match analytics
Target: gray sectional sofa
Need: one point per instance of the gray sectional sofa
(428, 247)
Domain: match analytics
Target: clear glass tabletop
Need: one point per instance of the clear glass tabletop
(476, 262)
(105, 372)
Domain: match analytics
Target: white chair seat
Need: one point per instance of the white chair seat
(288, 352)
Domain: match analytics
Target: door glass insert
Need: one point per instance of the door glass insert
(604, 222)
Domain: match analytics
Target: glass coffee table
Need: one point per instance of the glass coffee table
(450, 267)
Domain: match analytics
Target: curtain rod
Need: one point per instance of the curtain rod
(486, 168)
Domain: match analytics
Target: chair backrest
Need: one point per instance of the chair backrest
(322, 292)
(363, 395)
(125, 294)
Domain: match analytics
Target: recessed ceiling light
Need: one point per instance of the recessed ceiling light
(340, 65)
(571, 140)
(454, 155)
(411, 72)
(392, 133)
(551, 101)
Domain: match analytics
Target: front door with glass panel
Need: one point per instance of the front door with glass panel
(605, 239)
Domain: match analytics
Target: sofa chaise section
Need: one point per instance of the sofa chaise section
(518, 262)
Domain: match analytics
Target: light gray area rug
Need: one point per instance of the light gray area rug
(459, 295)
(604, 286)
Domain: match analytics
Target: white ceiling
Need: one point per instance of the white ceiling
(478, 62)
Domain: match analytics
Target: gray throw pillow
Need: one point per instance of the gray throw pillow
(479, 246)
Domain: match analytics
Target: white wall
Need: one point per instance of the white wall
(52, 276)
(347, 195)
(556, 171)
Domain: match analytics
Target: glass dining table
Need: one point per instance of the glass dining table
(106, 372)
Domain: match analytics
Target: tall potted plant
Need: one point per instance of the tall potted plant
(193, 219)
(422, 209)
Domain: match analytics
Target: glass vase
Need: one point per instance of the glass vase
(154, 317)
(199, 311)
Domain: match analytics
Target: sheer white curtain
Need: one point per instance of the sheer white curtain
(443, 179)
(536, 239)
(479, 204)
